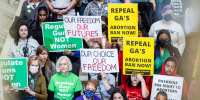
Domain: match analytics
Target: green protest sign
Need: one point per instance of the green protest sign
(55, 40)
(15, 70)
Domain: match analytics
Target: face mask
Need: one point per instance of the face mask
(104, 28)
(162, 43)
(167, 17)
(33, 69)
(89, 94)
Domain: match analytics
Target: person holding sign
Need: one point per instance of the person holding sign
(169, 68)
(36, 89)
(64, 84)
(23, 45)
(163, 49)
(118, 94)
(89, 91)
(135, 87)
(106, 85)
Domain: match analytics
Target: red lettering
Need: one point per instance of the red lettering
(94, 67)
(84, 65)
(103, 61)
(85, 27)
(114, 67)
(69, 31)
(89, 67)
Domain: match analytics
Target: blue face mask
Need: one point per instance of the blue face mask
(89, 94)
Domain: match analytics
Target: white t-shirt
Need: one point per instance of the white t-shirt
(176, 32)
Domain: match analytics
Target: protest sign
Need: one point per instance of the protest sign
(138, 56)
(82, 26)
(171, 85)
(123, 21)
(55, 40)
(97, 60)
(15, 70)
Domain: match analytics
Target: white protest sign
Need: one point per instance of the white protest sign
(82, 26)
(97, 60)
(170, 84)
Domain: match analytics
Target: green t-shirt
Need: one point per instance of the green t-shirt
(65, 86)
(159, 62)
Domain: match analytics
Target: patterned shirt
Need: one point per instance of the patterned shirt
(93, 9)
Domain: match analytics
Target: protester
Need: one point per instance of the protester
(161, 96)
(135, 87)
(24, 45)
(36, 89)
(175, 29)
(47, 66)
(89, 91)
(106, 85)
(169, 68)
(9, 94)
(64, 84)
(163, 49)
(30, 9)
(118, 94)
(42, 17)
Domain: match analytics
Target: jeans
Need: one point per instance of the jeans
(82, 8)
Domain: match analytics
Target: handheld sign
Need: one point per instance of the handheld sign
(138, 56)
(123, 21)
(15, 70)
(171, 85)
(82, 26)
(97, 60)
(55, 40)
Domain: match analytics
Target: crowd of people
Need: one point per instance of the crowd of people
(55, 75)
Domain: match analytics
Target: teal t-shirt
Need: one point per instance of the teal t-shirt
(65, 86)
(159, 62)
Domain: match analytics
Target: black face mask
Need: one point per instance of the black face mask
(167, 17)
(104, 28)
(162, 43)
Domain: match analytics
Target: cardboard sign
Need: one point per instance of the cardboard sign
(82, 26)
(97, 60)
(171, 85)
(55, 40)
(15, 70)
(123, 21)
(138, 56)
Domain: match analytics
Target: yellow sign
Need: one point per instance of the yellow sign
(138, 56)
(123, 21)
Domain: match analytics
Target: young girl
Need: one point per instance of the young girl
(42, 17)
(36, 89)
(23, 46)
